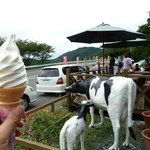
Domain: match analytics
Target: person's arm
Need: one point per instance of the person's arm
(13, 120)
(130, 65)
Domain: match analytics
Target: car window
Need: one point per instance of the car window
(73, 69)
(49, 72)
(81, 69)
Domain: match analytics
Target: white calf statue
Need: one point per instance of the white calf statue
(74, 127)
(117, 95)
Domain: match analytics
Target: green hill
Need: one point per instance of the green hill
(80, 52)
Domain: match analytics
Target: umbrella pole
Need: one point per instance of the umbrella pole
(103, 57)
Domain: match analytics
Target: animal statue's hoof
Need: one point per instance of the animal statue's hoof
(100, 124)
(126, 144)
(113, 148)
(91, 126)
(129, 146)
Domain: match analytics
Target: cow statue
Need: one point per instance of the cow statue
(74, 127)
(115, 94)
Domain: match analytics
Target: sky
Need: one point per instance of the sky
(51, 21)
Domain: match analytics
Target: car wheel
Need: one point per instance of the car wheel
(25, 102)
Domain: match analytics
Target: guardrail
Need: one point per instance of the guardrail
(69, 62)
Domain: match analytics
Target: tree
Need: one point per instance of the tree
(143, 52)
(145, 29)
(44, 52)
(28, 50)
(31, 51)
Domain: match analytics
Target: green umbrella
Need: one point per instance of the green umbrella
(128, 43)
(104, 33)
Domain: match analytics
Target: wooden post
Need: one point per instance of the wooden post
(99, 68)
(106, 69)
(68, 71)
(103, 71)
(87, 71)
(125, 73)
(52, 108)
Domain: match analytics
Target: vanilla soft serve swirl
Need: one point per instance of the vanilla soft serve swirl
(12, 69)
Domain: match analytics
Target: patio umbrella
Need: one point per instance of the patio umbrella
(104, 33)
(128, 43)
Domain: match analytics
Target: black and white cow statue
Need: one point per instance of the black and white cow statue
(74, 127)
(115, 94)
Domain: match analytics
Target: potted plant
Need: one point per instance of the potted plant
(146, 135)
(146, 115)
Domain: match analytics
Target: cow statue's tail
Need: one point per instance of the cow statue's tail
(62, 138)
(131, 102)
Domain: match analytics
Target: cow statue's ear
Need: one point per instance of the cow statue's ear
(75, 80)
(77, 103)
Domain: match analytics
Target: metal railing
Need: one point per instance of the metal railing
(69, 62)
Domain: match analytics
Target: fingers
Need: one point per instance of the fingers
(20, 124)
(18, 133)
(11, 122)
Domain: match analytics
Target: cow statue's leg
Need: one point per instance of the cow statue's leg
(71, 139)
(115, 120)
(116, 129)
(82, 140)
(101, 112)
(126, 142)
(92, 116)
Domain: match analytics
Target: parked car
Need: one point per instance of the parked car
(140, 63)
(28, 97)
(52, 79)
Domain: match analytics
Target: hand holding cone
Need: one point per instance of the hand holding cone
(13, 81)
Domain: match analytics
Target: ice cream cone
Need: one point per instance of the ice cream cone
(10, 97)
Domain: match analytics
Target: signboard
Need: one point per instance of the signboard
(65, 60)
(77, 60)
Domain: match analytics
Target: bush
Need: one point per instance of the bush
(44, 126)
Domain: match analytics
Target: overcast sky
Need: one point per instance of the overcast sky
(51, 21)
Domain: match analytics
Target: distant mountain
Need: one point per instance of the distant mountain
(80, 52)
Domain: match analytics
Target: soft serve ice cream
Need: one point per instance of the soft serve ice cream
(12, 69)
(13, 76)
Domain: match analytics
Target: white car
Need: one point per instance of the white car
(29, 96)
(52, 79)
(140, 63)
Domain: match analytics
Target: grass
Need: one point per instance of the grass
(44, 127)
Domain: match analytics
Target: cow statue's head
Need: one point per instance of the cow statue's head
(81, 87)
(77, 87)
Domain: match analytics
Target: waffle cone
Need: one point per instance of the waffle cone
(10, 97)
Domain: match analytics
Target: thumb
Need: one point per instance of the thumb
(11, 122)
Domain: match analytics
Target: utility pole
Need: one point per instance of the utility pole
(149, 14)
